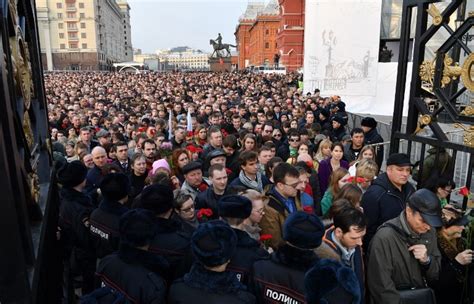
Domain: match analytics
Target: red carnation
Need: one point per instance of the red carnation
(203, 187)
(464, 191)
(265, 238)
(228, 171)
(204, 214)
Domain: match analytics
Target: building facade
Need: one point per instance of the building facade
(263, 47)
(184, 58)
(290, 36)
(84, 34)
(265, 30)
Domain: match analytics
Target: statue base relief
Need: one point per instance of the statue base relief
(222, 64)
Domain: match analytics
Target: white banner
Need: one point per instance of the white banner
(341, 46)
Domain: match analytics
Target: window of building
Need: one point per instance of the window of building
(60, 16)
(59, 5)
(83, 25)
(72, 35)
(71, 15)
(62, 46)
(82, 15)
(61, 35)
(267, 31)
(84, 45)
(71, 26)
(83, 35)
(73, 45)
(81, 5)
(267, 45)
(60, 25)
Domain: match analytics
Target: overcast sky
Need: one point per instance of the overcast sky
(161, 24)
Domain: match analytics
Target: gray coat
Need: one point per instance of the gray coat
(391, 266)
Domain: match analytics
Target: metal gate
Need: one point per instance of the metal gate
(29, 258)
(445, 78)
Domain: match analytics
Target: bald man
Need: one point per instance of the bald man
(94, 176)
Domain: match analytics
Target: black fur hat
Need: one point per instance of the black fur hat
(136, 227)
(369, 122)
(234, 206)
(329, 282)
(72, 174)
(213, 243)
(157, 198)
(303, 230)
(339, 119)
(115, 186)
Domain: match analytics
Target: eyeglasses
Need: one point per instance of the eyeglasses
(447, 191)
(277, 135)
(292, 186)
(187, 210)
(260, 211)
(294, 140)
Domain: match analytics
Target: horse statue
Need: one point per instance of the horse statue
(220, 46)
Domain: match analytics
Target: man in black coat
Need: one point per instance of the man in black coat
(371, 136)
(209, 197)
(133, 272)
(104, 221)
(213, 244)
(74, 213)
(386, 197)
(234, 209)
(280, 279)
(171, 240)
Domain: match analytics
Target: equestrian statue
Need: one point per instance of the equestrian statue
(219, 46)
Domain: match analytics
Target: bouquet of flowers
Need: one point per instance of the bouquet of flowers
(204, 215)
(166, 148)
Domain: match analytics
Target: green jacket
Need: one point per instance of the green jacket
(326, 201)
(392, 267)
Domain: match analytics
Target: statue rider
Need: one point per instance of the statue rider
(219, 41)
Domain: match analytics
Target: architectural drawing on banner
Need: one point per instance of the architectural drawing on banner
(340, 73)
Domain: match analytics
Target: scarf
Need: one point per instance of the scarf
(450, 249)
(255, 185)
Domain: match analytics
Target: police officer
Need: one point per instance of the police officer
(280, 279)
(234, 209)
(133, 272)
(330, 282)
(213, 244)
(171, 240)
(104, 221)
(74, 213)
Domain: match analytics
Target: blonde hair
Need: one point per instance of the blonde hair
(367, 169)
(325, 143)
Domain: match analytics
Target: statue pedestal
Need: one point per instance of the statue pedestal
(222, 64)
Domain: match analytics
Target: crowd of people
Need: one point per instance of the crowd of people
(238, 188)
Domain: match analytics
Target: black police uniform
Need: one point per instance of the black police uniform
(136, 274)
(172, 242)
(248, 251)
(104, 226)
(79, 255)
(204, 286)
(281, 278)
